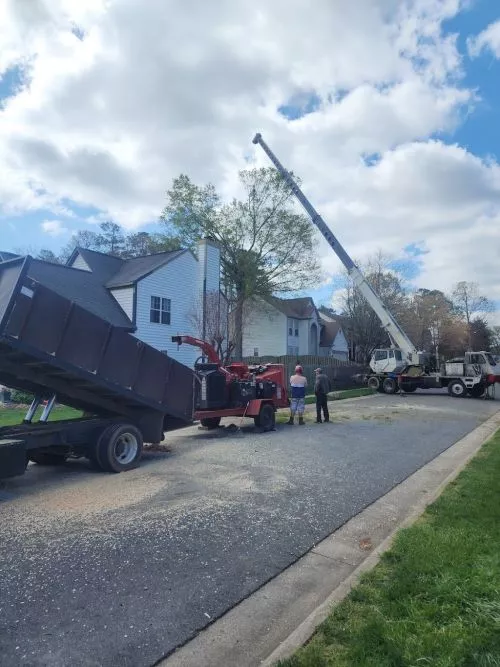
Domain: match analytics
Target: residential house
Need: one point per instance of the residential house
(279, 327)
(154, 296)
(332, 341)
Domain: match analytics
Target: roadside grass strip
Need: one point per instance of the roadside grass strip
(434, 597)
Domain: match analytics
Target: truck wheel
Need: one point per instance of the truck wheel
(119, 448)
(373, 383)
(408, 389)
(266, 418)
(389, 386)
(210, 422)
(47, 458)
(477, 391)
(457, 389)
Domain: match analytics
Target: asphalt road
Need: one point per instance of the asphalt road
(105, 570)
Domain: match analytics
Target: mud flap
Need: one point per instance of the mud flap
(12, 458)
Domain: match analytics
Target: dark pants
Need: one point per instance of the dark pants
(322, 404)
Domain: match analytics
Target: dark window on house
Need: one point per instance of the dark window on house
(160, 310)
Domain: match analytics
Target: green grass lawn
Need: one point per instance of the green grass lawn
(345, 393)
(434, 599)
(12, 416)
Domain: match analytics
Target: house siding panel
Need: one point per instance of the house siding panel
(80, 263)
(265, 329)
(178, 282)
(125, 297)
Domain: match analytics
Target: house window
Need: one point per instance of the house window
(160, 310)
(293, 328)
(255, 351)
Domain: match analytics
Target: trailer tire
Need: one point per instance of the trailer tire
(389, 386)
(373, 383)
(457, 389)
(119, 448)
(266, 419)
(408, 389)
(210, 422)
(47, 458)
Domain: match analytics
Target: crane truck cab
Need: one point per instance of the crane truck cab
(386, 361)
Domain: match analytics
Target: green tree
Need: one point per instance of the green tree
(111, 240)
(266, 247)
(144, 243)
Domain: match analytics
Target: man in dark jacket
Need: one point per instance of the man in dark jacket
(321, 389)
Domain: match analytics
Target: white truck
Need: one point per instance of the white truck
(400, 367)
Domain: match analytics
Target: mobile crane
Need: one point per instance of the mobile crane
(401, 366)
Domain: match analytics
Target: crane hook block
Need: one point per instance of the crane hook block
(257, 138)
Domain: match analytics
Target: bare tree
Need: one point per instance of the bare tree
(469, 303)
(210, 319)
(363, 325)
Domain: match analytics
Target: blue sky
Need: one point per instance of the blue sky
(142, 139)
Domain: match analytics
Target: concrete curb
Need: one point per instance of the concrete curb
(307, 628)
(277, 619)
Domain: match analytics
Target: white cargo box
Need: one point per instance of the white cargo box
(454, 368)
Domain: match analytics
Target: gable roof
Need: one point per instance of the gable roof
(328, 333)
(82, 287)
(102, 265)
(138, 268)
(302, 308)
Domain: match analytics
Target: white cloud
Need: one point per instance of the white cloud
(53, 227)
(158, 88)
(487, 40)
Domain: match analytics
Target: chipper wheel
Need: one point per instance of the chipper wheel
(210, 423)
(118, 448)
(266, 418)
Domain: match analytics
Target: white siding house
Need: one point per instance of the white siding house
(279, 327)
(159, 294)
(125, 298)
(174, 289)
(264, 331)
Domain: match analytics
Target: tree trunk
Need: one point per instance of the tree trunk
(238, 328)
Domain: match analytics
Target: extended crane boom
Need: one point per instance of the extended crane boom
(397, 336)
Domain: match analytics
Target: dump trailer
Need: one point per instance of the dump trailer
(57, 350)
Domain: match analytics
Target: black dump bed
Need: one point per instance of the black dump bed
(51, 345)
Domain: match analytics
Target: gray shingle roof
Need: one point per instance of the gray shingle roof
(83, 288)
(5, 256)
(329, 331)
(301, 308)
(137, 268)
(102, 265)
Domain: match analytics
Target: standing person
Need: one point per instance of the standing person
(298, 384)
(321, 389)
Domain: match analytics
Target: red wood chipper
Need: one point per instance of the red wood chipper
(235, 390)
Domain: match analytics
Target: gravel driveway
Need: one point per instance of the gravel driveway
(102, 570)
